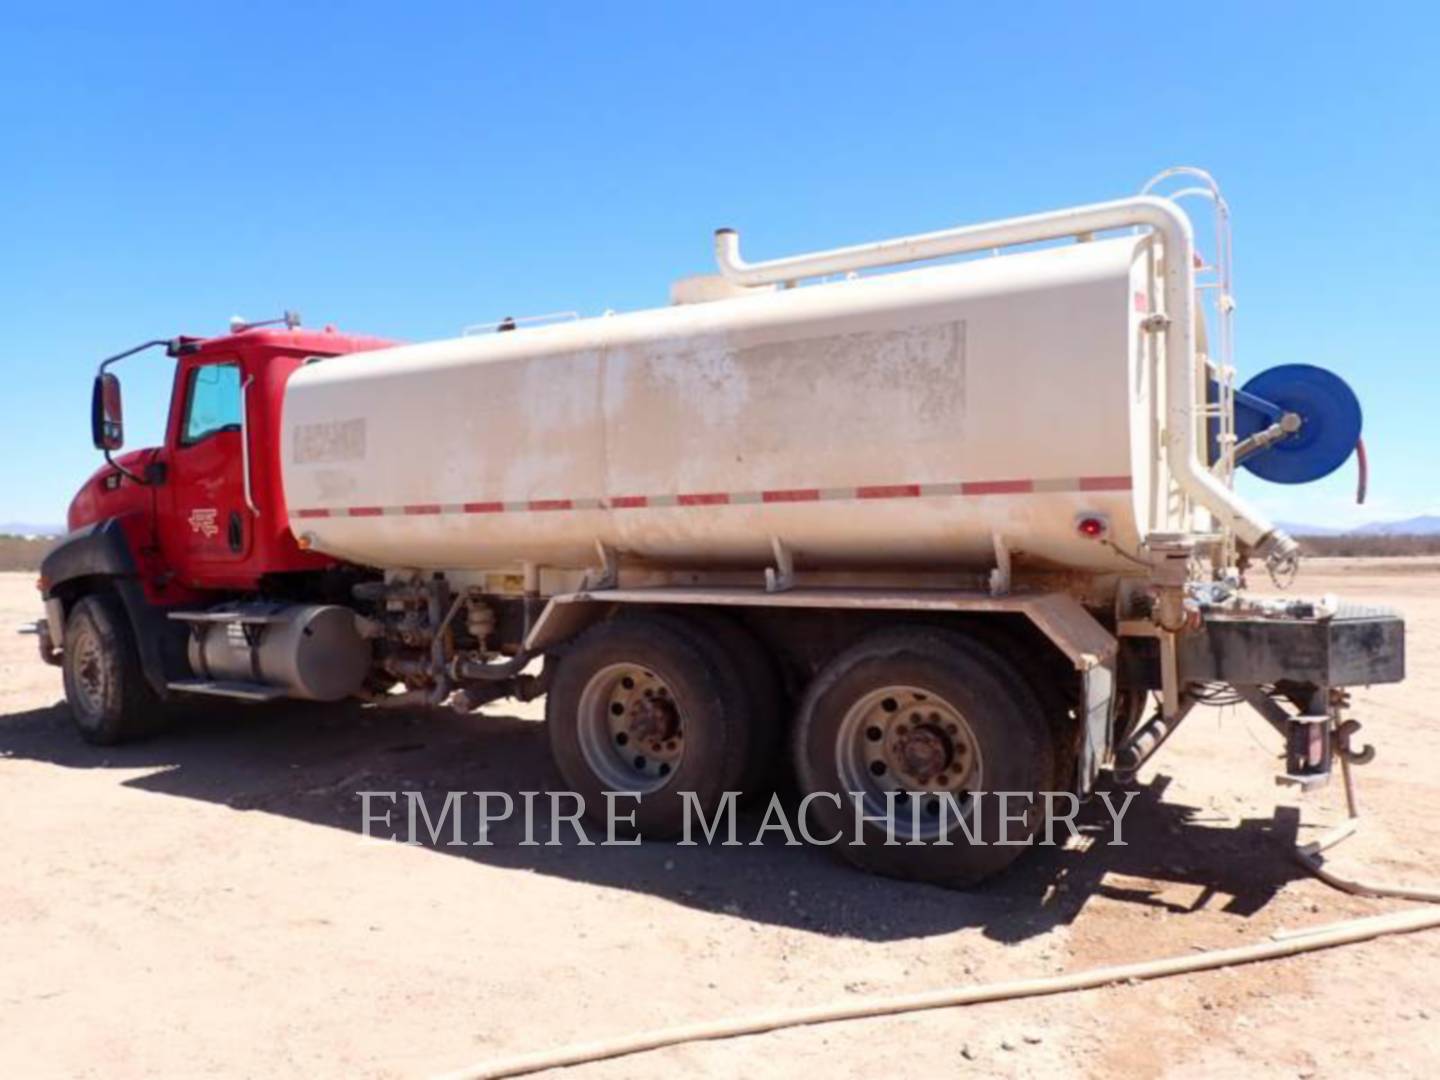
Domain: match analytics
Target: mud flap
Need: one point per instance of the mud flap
(1098, 689)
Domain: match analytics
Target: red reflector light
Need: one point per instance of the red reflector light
(1093, 527)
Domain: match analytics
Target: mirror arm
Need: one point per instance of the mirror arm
(123, 471)
(169, 344)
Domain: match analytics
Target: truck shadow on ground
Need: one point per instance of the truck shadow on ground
(308, 763)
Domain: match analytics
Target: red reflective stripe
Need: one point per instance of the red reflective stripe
(791, 495)
(998, 487)
(724, 498)
(888, 491)
(1105, 483)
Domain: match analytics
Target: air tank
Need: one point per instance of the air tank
(896, 420)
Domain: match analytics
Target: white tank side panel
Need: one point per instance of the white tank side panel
(741, 412)
(533, 445)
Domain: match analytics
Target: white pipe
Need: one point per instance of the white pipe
(1283, 944)
(1182, 389)
(1322, 937)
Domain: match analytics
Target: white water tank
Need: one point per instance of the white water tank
(894, 420)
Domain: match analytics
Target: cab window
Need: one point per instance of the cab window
(212, 402)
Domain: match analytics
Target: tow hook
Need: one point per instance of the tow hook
(1346, 732)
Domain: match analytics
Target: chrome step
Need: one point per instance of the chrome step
(256, 617)
(241, 691)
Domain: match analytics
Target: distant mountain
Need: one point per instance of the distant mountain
(1295, 528)
(28, 528)
(1424, 525)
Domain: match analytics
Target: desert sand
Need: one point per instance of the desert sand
(203, 905)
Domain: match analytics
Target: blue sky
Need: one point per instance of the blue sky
(406, 169)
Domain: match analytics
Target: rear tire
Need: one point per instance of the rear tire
(649, 705)
(764, 701)
(110, 699)
(943, 723)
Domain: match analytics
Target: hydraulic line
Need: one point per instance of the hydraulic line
(1363, 462)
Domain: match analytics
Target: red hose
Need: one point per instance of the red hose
(1364, 464)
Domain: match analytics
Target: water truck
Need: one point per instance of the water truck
(915, 520)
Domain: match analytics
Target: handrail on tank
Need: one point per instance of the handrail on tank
(1223, 373)
(1182, 388)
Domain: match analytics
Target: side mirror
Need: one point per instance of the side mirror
(107, 421)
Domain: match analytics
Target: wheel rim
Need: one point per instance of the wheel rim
(913, 742)
(88, 672)
(632, 731)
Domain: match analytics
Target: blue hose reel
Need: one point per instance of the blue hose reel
(1330, 423)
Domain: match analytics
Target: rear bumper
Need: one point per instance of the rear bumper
(1357, 646)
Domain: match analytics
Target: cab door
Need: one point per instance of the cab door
(210, 525)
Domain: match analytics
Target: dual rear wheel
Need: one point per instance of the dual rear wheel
(656, 707)
(901, 741)
(912, 735)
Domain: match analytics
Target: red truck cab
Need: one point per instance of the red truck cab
(206, 510)
(164, 537)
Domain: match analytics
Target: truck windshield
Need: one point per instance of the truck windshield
(212, 402)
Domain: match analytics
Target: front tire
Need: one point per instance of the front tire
(929, 727)
(110, 700)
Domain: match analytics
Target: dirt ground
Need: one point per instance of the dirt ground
(202, 905)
